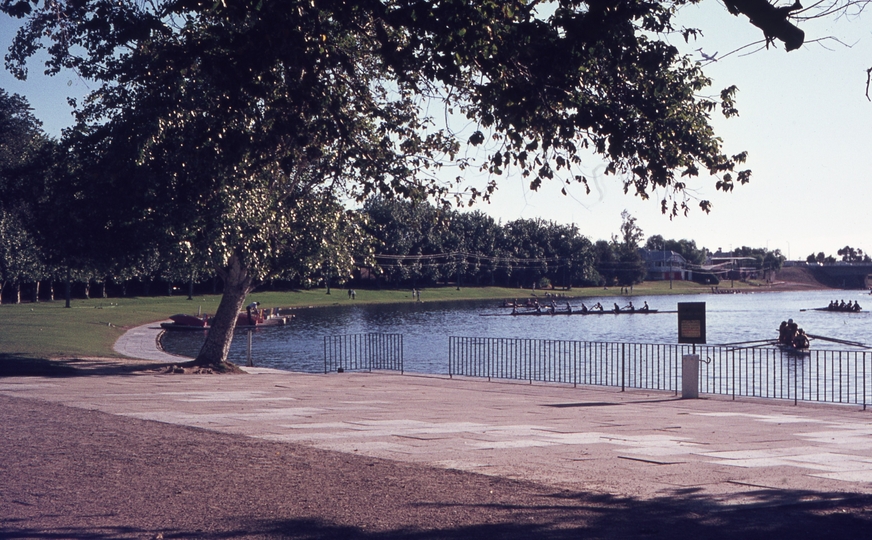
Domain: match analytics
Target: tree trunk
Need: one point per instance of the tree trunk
(68, 289)
(2, 286)
(237, 284)
(88, 289)
(17, 292)
(36, 292)
(51, 290)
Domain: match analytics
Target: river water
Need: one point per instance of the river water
(426, 326)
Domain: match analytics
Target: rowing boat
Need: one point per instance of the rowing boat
(790, 349)
(613, 312)
(573, 312)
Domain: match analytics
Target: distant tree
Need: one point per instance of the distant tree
(409, 232)
(850, 254)
(606, 261)
(631, 234)
(630, 267)
(821, 258)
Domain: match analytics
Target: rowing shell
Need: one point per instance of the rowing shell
(589, 312)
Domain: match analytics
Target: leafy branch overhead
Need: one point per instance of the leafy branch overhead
(343, 86)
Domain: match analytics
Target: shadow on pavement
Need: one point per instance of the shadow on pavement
(12, 365)
(771, 515)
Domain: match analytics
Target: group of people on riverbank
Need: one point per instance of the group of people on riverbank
(850, 306)
(791, 335)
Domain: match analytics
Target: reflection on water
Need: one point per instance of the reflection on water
(426, 326)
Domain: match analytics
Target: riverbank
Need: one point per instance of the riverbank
(796, 278)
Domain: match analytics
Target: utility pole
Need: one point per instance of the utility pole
(457, 279)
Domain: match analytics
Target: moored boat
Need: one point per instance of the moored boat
(182, 321)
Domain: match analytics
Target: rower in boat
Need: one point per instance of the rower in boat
(791, 337)
(800, 342)
(630, 307)
(616, 308)
(644, 307)
(782, 333)
(583, 308)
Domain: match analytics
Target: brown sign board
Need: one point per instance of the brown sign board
(691, 322)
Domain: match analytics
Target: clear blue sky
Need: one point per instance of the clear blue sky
(804, 119)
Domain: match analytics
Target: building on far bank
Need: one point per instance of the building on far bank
(665, 265)
(730, 267)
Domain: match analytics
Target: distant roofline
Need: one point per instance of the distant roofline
(714, 258)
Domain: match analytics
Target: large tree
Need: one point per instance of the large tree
(221, 122)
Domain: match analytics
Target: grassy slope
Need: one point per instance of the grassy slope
(90, 327)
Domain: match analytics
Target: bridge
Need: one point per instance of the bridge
(842, 275)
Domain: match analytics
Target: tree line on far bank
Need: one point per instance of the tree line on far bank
(53, 245)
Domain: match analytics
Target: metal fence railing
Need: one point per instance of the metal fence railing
(363, 352)
(820, 376)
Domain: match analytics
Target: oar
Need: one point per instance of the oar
(759, 343)
(841, 341)
(764, 341)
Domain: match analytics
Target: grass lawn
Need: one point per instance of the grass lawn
(47, 330)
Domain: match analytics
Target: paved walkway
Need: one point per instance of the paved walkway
(638, 443)
(142, 343)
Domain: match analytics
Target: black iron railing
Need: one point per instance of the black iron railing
(820, 376)
(363, 352)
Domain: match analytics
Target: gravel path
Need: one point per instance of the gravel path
(73, 473)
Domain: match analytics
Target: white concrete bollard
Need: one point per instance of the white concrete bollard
(690, 376)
